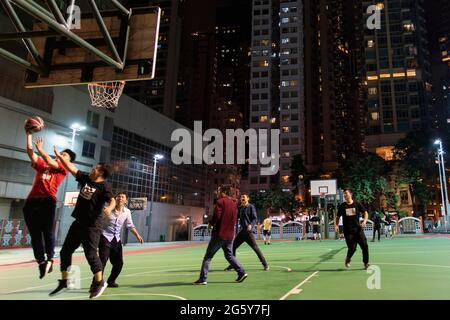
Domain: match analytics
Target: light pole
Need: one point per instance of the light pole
(75, 128)
(443, 180)
(156, 157)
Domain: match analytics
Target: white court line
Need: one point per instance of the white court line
(126, 294)
(129, 275)
(296, 289)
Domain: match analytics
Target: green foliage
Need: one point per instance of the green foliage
(275, 199)
(297, 169)
(366, 175)
(415, 155)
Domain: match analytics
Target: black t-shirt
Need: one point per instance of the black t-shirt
(350, 214)
(91, 200)
(315, 219)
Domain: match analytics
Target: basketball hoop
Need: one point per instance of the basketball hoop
(106, 94)
(323, 195)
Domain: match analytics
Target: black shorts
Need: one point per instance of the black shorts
(341, 229)
(316, 229)
(266, 232)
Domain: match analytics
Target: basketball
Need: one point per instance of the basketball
(34, 124)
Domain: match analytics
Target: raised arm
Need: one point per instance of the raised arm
(66, 163)
(30, 152)
(108, 209)
(39, 143)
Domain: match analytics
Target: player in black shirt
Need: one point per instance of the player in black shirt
(87, 227)
(351, 211)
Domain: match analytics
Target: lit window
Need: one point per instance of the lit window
(373, 91)
(375, 116)
(371, 78)
(232, 120)
(286, 129)
(411, 73)
(385, 75)
(273, 120)
(370, 44)
(285, 179)
(409, 27)
(263, 118)
(398, 74)
(380, 6)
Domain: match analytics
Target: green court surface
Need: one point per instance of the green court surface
(409, 268)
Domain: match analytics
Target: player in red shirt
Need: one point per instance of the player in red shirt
(40, 206)
(223, 222)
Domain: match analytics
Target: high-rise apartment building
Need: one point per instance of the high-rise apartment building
(333, 64)
(398, 74)
(276, 93)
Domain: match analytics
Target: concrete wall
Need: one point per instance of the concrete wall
(163, 216)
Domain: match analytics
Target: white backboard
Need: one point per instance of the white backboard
(327, 186)
(70, 198)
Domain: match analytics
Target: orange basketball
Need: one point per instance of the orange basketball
(34, 124)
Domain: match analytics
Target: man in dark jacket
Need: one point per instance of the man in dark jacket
(247, 220)
(222, 222)
(376, 225)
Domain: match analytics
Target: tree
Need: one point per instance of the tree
(260, 201)
(284, 201)
(415, 156)
(298, 170)
(365, 174)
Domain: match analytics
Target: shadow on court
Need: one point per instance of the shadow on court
(166, 284)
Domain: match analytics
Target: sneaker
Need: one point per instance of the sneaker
(97, 289)
(366, 266)
(347, 263)
(113, 285)
(42, 269)
(200, 282)
(49, 266)
(266, 268)
(62, 287)
(229, 268)
(242, 277)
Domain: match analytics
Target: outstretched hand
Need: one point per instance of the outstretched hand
(57, 153)
(39, 143)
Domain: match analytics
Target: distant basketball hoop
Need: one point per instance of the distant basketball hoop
(106, 94)
(323, 195)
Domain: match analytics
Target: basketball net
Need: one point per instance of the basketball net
(106, 94)
(323, 195)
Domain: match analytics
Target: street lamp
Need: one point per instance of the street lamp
(156, 157)
(442, 178)
(75, 128)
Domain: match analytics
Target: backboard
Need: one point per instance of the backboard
(320, 187)
(137, 204)
(135, 38)
(70, 198)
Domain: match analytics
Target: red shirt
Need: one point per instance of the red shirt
(224, 219)
(47, 180)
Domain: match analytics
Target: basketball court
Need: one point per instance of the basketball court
(409, 268)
